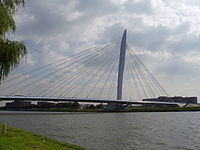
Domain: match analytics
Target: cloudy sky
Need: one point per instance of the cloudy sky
(163, 33)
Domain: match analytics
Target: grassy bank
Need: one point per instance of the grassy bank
(17, 139)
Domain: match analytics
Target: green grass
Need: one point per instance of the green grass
(17, 139)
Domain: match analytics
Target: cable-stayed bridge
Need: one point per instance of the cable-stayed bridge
(105, 73)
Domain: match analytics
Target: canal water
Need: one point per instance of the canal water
(114, 131)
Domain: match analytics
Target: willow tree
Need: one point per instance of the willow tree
(11, 52)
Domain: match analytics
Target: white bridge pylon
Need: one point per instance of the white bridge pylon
(122, 57)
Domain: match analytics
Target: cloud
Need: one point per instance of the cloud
(138, 7)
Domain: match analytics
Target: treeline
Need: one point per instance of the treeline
(55, 106)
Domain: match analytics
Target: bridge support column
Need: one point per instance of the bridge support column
(121, 66)
(120, 74)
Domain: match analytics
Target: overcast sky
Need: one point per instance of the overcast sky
(164, 34)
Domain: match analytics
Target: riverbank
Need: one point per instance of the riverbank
(17, 139)
(165, 109)
(130, 109)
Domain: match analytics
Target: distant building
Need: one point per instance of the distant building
(46, 104)
(178, 99)
(84, 106)
(17, 103)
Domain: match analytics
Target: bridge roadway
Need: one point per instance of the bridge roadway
(91, 100)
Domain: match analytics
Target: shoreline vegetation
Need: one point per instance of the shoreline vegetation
(17, 139)
(76, 107)
(136, 109)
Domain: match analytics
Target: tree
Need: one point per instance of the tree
(11, 52)
(75, 105)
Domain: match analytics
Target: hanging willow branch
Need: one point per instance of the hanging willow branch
(11, 52)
